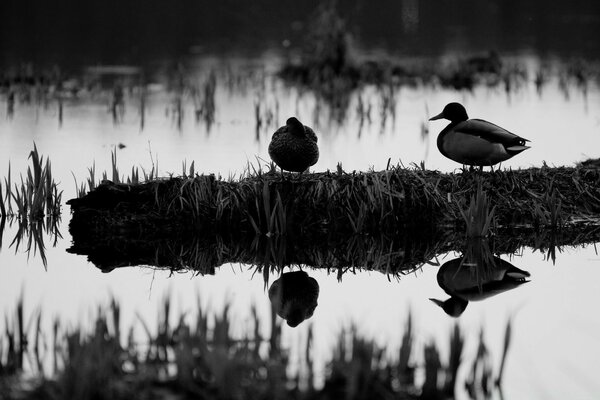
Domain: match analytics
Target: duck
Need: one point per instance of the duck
(466, 281)
(475, 142)
(294, 297)
(294, 146)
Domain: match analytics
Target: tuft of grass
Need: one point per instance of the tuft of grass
(36, 196)
(479, 216)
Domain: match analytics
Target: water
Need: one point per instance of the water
(554, 349)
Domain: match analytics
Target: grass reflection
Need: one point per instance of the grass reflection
(199, 357)
(34, 206)
(340, 83)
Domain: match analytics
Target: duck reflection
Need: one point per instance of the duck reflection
(476, 276)
(294, 296)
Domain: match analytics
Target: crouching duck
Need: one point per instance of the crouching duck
(294, 297)
(475, 142)
(294, 146)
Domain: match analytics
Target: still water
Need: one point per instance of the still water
(554, 350)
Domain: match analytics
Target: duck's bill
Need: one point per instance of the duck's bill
(439, 116)
(438, 302)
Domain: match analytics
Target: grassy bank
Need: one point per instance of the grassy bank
(339, 202)
(391, 221)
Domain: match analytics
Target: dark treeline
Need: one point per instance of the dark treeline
(133, 31)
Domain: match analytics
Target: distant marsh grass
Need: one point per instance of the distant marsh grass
(346, 84)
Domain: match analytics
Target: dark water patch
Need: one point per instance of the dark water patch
(125, 32)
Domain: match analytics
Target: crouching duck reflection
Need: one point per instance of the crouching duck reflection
(294, 296)
(474, 277)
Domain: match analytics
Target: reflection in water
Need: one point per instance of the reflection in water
(371, 94)
(32, 234)
(476, 276)
(294, 296)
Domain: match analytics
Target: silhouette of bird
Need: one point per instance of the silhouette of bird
(294, 296)
(294, 146)
(474, 281)
(475, 142)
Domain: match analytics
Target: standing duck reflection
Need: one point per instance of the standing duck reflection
(476, 276)
(294, 296)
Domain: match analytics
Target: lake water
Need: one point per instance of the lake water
(554, 348)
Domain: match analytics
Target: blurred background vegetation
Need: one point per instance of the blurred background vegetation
(136, 31)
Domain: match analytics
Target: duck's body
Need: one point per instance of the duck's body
(467, 281)
(475, 142)
(294, 146)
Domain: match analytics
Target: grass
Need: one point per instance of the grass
(202, 359)
(34, 205)
(36, 196)
(133, 178)
(479, 216)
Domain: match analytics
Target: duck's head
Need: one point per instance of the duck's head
(296, 127)
(454, 306)
(454, 112)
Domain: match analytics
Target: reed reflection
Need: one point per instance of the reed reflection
(294, 297)
(476, 276)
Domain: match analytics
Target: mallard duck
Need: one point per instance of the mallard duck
(475, 142)
(294, 146)
(468, 281)
(294, 296)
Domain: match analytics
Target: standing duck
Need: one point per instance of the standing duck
(294, 147)
(475, 142)
(475, 280)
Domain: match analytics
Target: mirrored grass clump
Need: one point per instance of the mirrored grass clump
(34, 204)
(199, 357)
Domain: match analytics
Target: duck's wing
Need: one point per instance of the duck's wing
(310, 133)
(488, 131)
(279, 132)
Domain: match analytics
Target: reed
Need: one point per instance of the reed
(36, 196)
